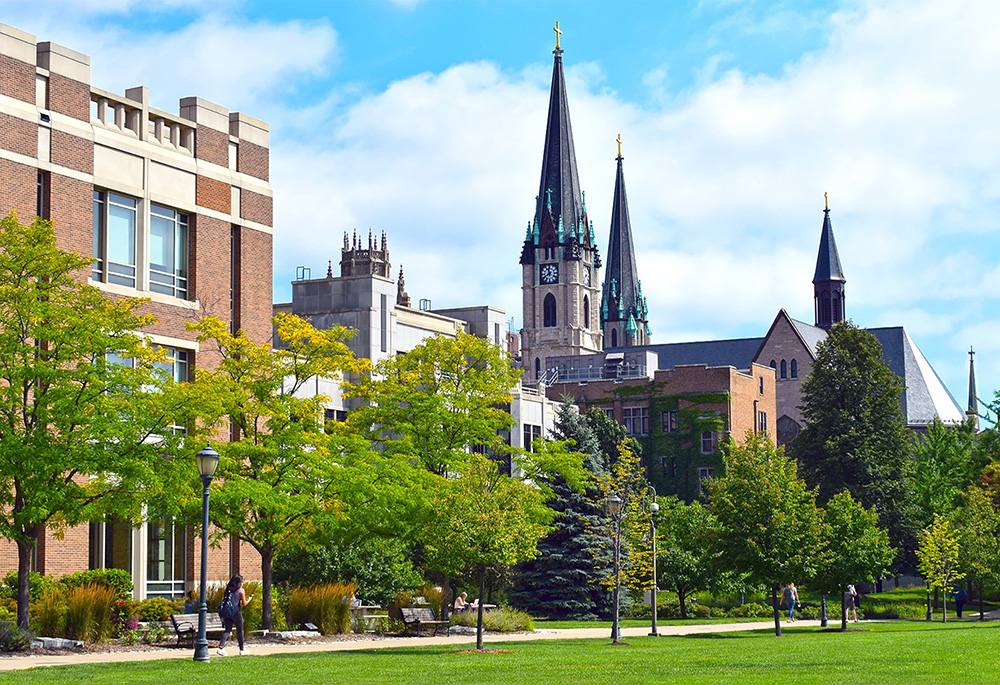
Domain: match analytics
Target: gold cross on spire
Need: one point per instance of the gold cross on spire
(558, 33)
(826, 201)
(619, 139)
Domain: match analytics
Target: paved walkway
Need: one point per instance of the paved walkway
(25, 662)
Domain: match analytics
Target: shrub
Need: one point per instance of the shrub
(48, 614)
(699, 611)
(125, 618)
(499, 620)
(89, 610)
(810, 612)
(328, 606)
(154, 609)
(252, 612)
(130, 637)
(38, 585)
(13, 639)
(155, 635)
(116, 579)
(434, 596)
(751, 610)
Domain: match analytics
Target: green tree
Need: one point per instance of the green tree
(685, 559)
(282, 470)
(563, 581)
(945, 462)
(938, 557)
(482, 519)
(83, 429)
(853, 549)
(426, 413)
(769, 525)
(977, 523)
(855, 437)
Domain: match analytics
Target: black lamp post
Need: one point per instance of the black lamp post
(653, 508)
(615, 510)
(208, 461)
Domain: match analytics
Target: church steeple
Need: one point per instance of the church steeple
(972, 410)
(626, 322)
(828, 280)
(560, 264)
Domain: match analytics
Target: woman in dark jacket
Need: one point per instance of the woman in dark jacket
(239, 597)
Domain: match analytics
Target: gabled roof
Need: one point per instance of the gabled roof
(811, 335)
(559, 173)
(621, 256)
(828, 260)
(925, 396)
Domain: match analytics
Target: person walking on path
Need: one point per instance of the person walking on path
(231, 612)
(960, 596)
(790, 597)
(851, 602)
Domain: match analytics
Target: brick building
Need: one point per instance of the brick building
(176, 208)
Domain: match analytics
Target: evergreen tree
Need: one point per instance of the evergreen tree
(564, 580)
(855, 437)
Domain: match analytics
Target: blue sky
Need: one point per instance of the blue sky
(425, 119)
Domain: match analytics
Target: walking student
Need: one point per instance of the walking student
(851, 602)
(231, 612)
(790, 597)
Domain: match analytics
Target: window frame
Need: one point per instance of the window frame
(160, 280)
(104, 268)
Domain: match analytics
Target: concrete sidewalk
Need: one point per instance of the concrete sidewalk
(24, 662)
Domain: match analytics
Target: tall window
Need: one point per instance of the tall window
(165, 559)
(175, 365)
(42, 195)
(636, 420)
(703, 475)
(784, 369)
(550, 251)
(614, 337)
(669, 419)
(538, 368)
(168, 251)
(549, 311)
(586, 312)
(114, 238)
(707, 442)
(795, 369)
(762, 422)
(531, 433)
(774, 364)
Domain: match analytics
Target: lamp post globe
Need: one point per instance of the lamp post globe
(208, 462)
(615, 506)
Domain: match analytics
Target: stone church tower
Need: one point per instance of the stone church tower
(828, 281)
(560, 265)
(624, 315)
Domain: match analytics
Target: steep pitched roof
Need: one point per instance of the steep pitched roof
(559, 173)
(973, 404)
(925, 395)
(811, 335)
(828, 260)
(621, 266)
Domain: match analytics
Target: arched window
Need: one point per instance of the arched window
(549, 311)
(784, 369)
(614, 337)
(774, 364)
(586, 312)
(836, 308)
(538, 368)
(826, 308)
(795, 369)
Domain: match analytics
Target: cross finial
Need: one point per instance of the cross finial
(972, 353)
(619, 139)
(558, 33)
(548, 198)
(826, 201)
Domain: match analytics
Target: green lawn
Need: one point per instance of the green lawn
(542, 624)
(898, 652)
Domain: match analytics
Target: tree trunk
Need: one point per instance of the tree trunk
(681, 596)
(479, 618)
(24, 549)
(843, 609)
(777, 614)
(982, 616)
(445, 605)
(266, 568)
(944, 612)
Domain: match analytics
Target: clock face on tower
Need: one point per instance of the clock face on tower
(550, 274)
(586, 276)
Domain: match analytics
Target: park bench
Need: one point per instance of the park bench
(186, 625)
(419, 617)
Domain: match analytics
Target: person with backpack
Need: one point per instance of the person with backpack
(851, 602)
(231, 613)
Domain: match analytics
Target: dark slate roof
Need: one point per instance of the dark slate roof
(738, 352)
(812, 335)
(925, 396)
(559, 172)
(828, 260)
(621, 258)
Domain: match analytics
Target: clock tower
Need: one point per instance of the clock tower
(560, 264)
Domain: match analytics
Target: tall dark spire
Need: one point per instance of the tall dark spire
(828, 280)
(559, 173)
(972, 410)
(624, 316)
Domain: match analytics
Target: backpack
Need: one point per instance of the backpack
(228, 607)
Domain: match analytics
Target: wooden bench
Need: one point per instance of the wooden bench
(419, 617)
(186, 625)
